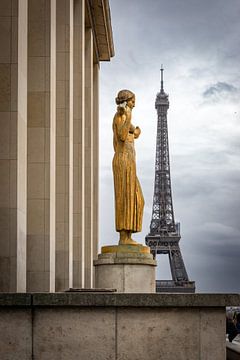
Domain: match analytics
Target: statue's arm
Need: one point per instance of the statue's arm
(123, 124)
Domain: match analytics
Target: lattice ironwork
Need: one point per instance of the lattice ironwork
(162, 222)
(164, 233)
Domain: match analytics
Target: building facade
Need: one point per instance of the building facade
(49, 73)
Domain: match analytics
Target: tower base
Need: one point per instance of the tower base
(169, 245)
(126, 268)
(171, 286)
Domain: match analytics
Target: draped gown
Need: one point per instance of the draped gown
(129, 201)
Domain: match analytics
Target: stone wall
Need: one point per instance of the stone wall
(104, 326)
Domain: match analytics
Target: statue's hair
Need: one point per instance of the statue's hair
(124, 95)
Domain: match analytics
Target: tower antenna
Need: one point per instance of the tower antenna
(162, 78)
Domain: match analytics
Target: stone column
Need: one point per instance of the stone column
(41, 145)
(77, 151)
(89, 158)
(22, 147)
(95, 161)
(13, 108)
(62, 144)
(52, 210)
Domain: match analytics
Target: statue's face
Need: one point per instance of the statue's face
(131, 102)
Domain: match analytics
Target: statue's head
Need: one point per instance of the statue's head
(125, 97)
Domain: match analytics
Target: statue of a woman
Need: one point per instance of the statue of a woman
(129, 201)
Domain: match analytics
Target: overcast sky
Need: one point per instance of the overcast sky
(198, 43)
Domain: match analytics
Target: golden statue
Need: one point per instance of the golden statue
(129, 201)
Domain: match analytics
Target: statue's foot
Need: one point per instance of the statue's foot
(128, 242)
(125, 238)
(133, 242)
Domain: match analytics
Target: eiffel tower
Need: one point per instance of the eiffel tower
(164, 233)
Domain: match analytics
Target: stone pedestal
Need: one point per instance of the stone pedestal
(126, 268)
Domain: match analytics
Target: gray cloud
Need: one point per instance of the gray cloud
(175, 30)
(198, 43)
(219, 91)
(207, 203)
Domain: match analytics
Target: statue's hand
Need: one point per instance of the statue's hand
(131, 128)
(137, 132)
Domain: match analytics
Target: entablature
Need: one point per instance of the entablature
(99, 19)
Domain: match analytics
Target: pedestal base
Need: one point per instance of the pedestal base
(126, 268)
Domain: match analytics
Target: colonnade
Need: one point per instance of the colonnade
(49, 84)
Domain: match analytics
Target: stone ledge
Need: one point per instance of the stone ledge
(119, 300)
(125, 255)
(125, 261)
(15, 299)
